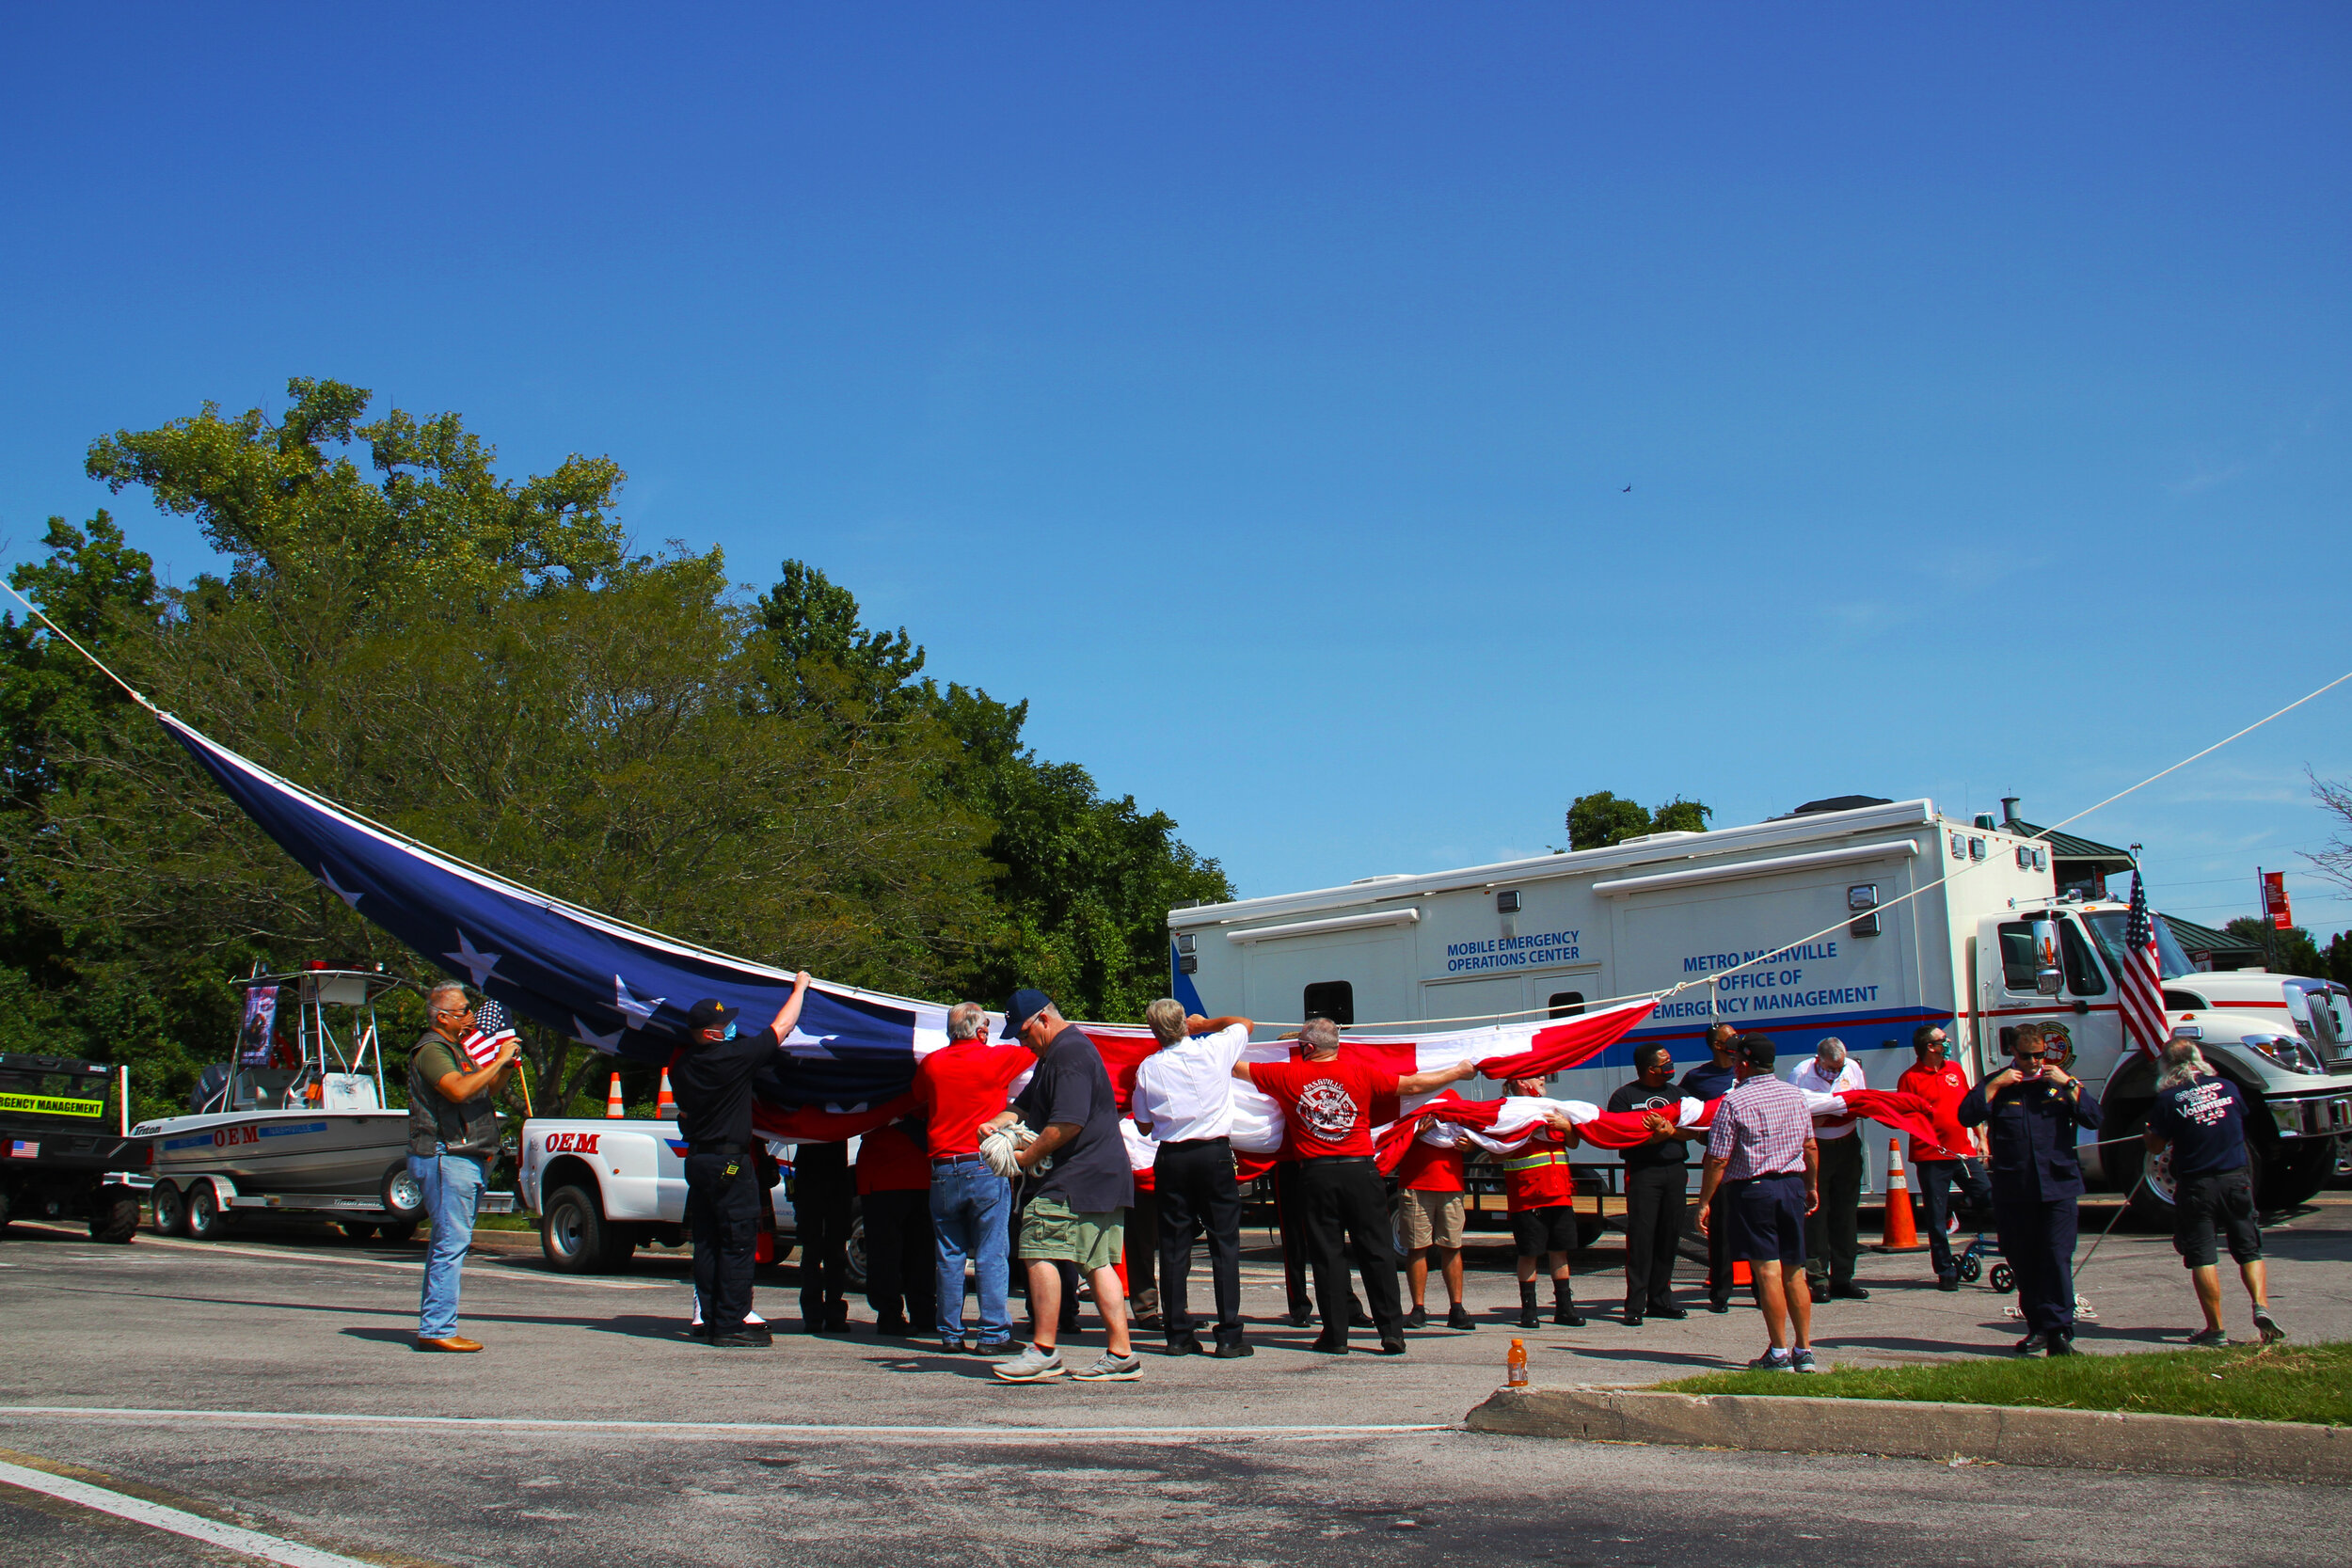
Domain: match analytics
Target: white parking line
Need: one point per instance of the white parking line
(269, 1548)
(1063, 1433)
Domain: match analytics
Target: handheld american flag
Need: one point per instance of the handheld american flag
(2142, 984)
(491, 1029)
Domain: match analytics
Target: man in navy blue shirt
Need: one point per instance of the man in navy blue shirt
(2202, 1117)
(2030, 1112)
(1711, 1080)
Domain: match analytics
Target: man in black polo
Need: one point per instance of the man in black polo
(712, 1079)
(1657, 1177)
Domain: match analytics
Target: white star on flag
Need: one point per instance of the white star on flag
(480, 965)
(338, 888)
(606, 1043)
(636, 1009)
(808, 1047)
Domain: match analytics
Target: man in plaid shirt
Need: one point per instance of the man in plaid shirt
(1760, 1150)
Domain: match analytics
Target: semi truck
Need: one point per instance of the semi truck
(1861, 921)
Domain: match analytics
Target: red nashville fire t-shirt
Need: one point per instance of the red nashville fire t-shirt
(1326, 1106)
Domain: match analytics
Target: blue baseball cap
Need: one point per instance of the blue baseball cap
(1024, 1006)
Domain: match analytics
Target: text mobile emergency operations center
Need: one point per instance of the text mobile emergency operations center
(1988, 943)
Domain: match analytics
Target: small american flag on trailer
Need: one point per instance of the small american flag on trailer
(2142, 984)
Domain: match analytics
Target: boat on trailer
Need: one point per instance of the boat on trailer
(297, 1120)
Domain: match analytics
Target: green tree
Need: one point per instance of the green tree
(2291, 951)
(1597, 820)
(2338, 959)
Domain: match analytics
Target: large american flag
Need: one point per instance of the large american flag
(2142, 980)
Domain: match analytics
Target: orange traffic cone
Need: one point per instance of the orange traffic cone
(612, 1106)
(1740, 1272)
(1901, 1234)
(666, 1107)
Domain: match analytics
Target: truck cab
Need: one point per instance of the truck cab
(63, 1154)
(2285, 1041)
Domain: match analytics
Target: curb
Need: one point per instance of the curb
(2006, 1435)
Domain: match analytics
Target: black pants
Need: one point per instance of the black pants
(822, 1192)
(722, 1200)
(1936, 1179)
(1343, 1215)
(901, 1257)
(1832, 1233)
(2038, 1239)
(1653, 1223)
(1195, 1192)
(1293, 1238)
(1141, 1252)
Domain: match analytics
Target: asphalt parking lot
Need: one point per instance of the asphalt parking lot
(268, 1382)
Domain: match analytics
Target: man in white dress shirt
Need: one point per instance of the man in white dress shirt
(1185, 1100)
(1832, 1233)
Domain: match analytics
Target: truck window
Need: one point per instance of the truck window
(2018, 965)
(1331, 999)
(2083, 975)
(1567, 1003)
(2106, 929)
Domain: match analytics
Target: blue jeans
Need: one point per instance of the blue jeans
(971, 1209)
(452, 1191)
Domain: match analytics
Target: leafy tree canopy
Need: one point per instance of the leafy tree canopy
(1597, 820)
(480, 663)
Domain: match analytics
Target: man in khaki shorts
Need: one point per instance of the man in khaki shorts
(1429, 1204)
(1077, 1209)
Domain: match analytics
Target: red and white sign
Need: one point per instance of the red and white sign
(2275, 907)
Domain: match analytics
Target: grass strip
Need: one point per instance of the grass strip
(2260, 1383)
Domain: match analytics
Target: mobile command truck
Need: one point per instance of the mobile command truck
(1552, 935)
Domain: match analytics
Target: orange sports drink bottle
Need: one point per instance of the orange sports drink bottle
(1517, 1361)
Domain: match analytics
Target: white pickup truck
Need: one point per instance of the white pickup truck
(604, 1187)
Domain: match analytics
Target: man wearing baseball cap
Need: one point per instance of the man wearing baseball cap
(712, 1079)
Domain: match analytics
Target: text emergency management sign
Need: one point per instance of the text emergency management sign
(1779, 983)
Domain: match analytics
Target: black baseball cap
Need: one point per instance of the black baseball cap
(1024, 1006)
(710, 1013)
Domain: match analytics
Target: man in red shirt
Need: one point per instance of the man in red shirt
(894, 1186)
(959, 1087)
(1938, 1167)
(1540, 1189)
(1429, 1203)
(1342, 1210)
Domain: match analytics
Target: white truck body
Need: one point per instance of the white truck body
(1556, 934)
(635, 1171)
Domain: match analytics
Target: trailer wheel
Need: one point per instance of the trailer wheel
(571, 1232)
(115, 1220)
(402, 1193)
(398, 1233)
(207, 1220)
(171, 1210)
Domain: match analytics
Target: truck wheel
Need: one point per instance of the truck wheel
(115, 1220)
(402, 1193)
(2289, 1172)
(2127, 1158)
(854, 1255)
(398, 1233)
(571, 1232)
(207, 1220)
(171, 1210)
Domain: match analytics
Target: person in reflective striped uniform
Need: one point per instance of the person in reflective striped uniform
(1541, 1191)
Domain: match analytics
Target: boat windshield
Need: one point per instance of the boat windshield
(2106, 929)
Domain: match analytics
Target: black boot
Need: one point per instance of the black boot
(1529, 1317)
(1563, 1310)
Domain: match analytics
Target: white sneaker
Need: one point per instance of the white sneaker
(1112, 1368)
(1031, 1365)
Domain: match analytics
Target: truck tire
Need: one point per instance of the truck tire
(207, 1220)
(572, 1231)
(401, 1193)
(852, 1256)
(115, 1219)
(2126, 1157)
(7, 1199)
(171, 1210)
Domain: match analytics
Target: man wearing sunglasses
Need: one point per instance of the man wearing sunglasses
(453, 1138)
(2030, 1112)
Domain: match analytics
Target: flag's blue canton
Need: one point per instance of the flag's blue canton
(590, 980)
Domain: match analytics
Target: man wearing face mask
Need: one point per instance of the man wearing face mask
(712, 1079)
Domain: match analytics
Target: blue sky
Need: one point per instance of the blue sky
(1981, 374)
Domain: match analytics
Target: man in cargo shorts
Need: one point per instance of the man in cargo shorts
(1762, 1154)
(2199, 1115)
(1077, 1211)
(1429, 1189)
